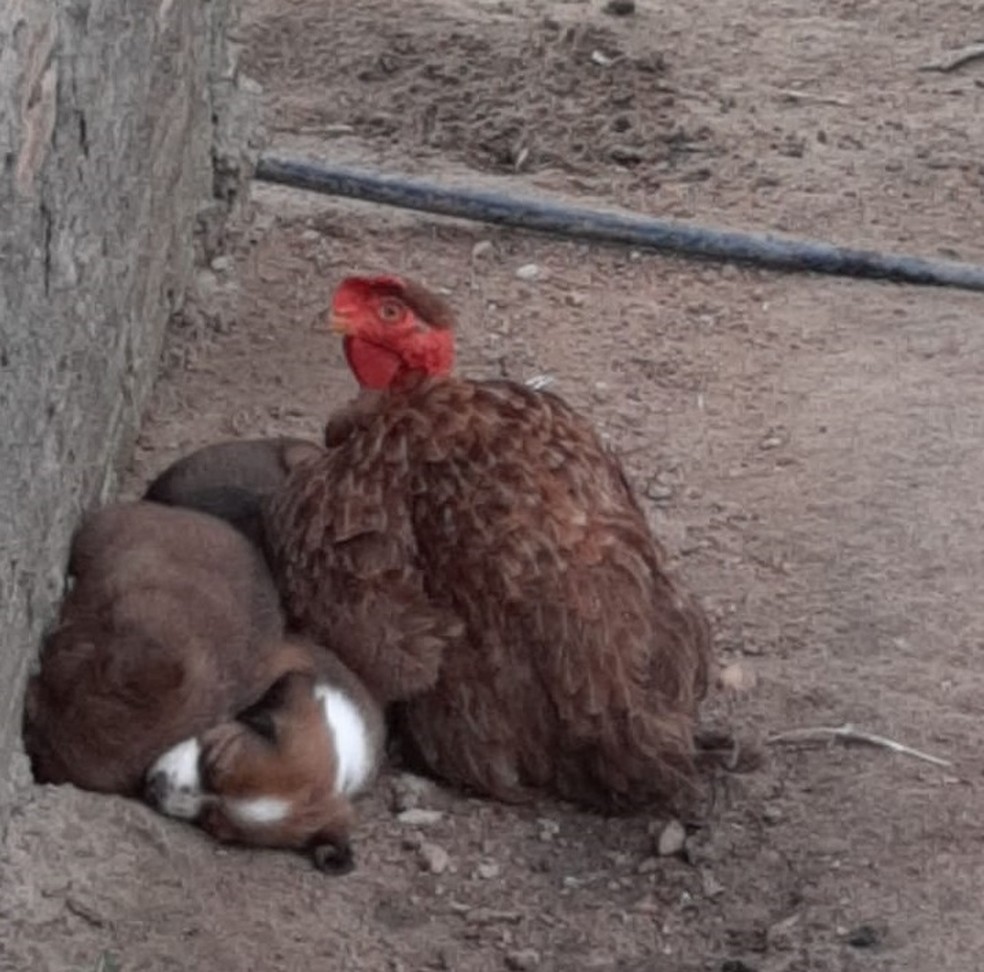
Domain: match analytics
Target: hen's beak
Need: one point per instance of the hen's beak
(331, 324)
(340, 323)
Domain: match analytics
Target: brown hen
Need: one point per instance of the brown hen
(474, 552)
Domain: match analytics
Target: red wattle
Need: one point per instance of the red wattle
(374, 367)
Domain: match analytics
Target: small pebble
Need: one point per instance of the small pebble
(649, 866)
(523, 959)
(548, 828)
(710, 885)
(433, 858)
(410, 791)
(488, 870)
(782, 936)
(221, 264)
(528, 272)
(671, 839)
(736, 678)
(771, 814)
(659, 492)
(620, 8)
(481, 248)
(419, 817)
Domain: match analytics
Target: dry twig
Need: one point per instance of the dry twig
(956, 59)
(849, 733)
(794, 94)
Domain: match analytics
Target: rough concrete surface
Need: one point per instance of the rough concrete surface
(107, 122)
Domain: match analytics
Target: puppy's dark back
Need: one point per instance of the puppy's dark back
(162, 635)
(230, 479)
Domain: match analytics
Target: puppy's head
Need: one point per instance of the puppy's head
(267, 778)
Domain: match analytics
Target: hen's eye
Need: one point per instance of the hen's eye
(390, 311)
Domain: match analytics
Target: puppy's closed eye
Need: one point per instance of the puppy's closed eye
(259, 718)
(277, 698)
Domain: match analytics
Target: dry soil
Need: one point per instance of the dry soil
(810, 449)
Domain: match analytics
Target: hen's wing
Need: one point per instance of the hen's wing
(584, 661)
(342, 547)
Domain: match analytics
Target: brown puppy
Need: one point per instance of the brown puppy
(170, 635)
(230, 479)
(261, 779)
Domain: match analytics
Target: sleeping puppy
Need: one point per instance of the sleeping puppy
(173, 633)
(284, 771)
(230, 479)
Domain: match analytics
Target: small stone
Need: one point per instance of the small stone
(574, 299)
(548, 828)
(523, 959)
(419, 817)
(781, 936)
(409, 791)
(771, 814)
(433, 858)
(649, 866)
(221, 264)
(772, 442)
(620, 8)
(735, 678)
(310, 236)
(625, 155)
(481, 248)
(529, 272)
(671, 839)
(659, 492)
(710, 885)
(207, 284)
(488, 870)
(492, 916)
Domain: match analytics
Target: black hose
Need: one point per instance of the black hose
(763, 250)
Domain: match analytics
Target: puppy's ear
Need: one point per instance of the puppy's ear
(261, 715)
(260, 720)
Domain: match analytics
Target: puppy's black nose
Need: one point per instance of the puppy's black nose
(334, 858)
(155, 788)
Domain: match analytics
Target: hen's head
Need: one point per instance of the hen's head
(393, 328)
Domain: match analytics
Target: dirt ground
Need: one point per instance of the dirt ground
(808, 448)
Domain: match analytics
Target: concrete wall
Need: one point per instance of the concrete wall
(109, 113)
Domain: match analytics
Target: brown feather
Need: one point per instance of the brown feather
(473, 550)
